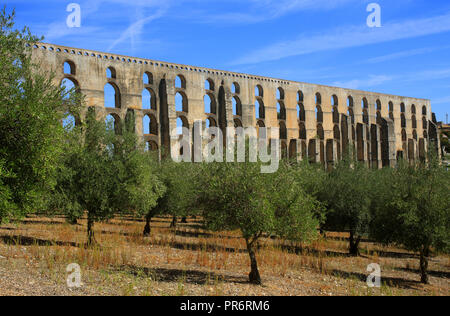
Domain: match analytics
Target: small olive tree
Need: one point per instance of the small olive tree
(346, 193)
(179, 196)
(105, 173)
(414, 210)
(237, 196)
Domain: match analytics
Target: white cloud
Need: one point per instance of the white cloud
(404, 54)
(348, 37)
(371, 81)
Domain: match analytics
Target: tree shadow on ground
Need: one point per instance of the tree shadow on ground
(185, 276)
(393, 282)
(298, 250)
(437, 274)
(31, 241)
(205, 247)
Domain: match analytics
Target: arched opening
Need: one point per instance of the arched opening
(301, 112)
(148, 99)
(237, 106)
(210, 104)
(110, 73)
(391, 111)
(111, 96)
(424, 123)
(378, 105)
(334, 100)
(180, 82)
(280, 94)
(402, 107)
(336, 133)
(302, 130)
(182, 122)
(404, 137)
(283, 131)
(181, 102)
(211, 122)
(69, 68)
(351, 115)
(69, 85)
(259, 92)
(319, 114)
(365, 116)
(69, 122)
(335, 114)
(259, 124)
(300, 96)
(350, 102)
(259, 108)
(150, 125)
(364, 103)
(320, 132)
(415, 135)
(281, 111)
(413, 109)
(237, 123)
(403, 120)
(318, 99)
(148, 78)
(414, 121)
(235, 88)
(113, 123)
(151, 146)
(209, 85)
(424, 110)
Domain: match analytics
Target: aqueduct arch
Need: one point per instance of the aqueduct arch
(319, 123)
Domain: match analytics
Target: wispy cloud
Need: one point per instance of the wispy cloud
(404, 54)
(371, 81)
(134, 31)
(377, 80)
(348, 37)
(257, 11)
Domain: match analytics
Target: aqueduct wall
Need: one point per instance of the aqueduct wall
(316, 121)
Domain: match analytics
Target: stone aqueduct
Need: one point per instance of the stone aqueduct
(315, 121)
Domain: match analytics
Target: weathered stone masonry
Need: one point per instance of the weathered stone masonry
(315, 121)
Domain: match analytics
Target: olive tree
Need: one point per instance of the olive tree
(414, 210)
(346, 193)
(31, 111)
(237, 196)
(178, 198)
(105, 173)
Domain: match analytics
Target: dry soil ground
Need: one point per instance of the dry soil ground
(34, 255)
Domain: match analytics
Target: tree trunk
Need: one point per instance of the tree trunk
(354, 244)
(90, 231)
(147, 228)
(424, 254)
(254, 276)
(174, 222)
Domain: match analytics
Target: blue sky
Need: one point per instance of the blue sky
(317, 41)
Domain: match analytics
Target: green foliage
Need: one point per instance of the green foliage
(348, 198)
(105, 174)
(237, 196)
(30, 128)
(414, 209)
(179, 194)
